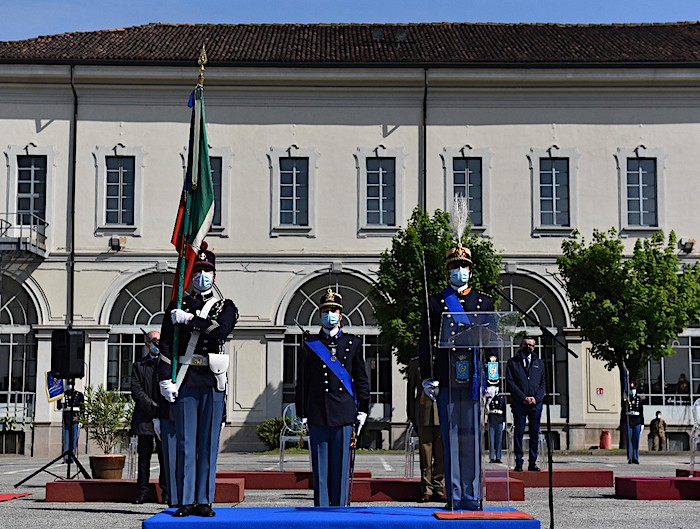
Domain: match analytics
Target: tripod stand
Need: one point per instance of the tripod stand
(68, 454)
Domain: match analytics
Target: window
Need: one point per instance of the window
(119, 206)
(215, 165)
(640, 179)
(466, 174)
(119, 174)
(294, 192)
(292, 181)
(553, 178)
(31, 189)
(673, 380)
(381, 191)
(380, 178)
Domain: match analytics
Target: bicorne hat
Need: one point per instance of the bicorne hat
(331, 301)
(460, 255)
(205, 260)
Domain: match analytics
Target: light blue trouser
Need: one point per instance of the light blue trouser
(66, 434)
(633, 433)
(459, 426)
(495, 440)
(198, 415)
(168, 440)
(330, 458)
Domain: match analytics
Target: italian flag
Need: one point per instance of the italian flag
(196, 210)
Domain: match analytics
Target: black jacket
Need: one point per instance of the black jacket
(474, 301)
(144, 391)
(497, 409)
(213, 330)
(632, 412)
(523, 383)
(320, 397)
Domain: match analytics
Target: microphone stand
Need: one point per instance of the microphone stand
(548, 397)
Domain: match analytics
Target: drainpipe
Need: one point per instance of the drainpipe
(70, 286)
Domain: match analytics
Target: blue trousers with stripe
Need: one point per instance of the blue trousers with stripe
(168, 441)
(330, 461)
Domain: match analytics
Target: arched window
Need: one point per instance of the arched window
(18, 355)
(140, 305)
(357, 318)
(540, 302)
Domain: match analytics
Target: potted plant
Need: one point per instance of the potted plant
(106, 416)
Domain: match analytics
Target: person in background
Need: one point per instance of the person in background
(422, 412)
(496, 410)
(632, 423)
(144, 390)
(70, 405)
(657, 432)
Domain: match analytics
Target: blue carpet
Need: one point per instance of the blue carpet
(329, 518)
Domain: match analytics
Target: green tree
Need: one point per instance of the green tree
(399, 293)
(630, 309)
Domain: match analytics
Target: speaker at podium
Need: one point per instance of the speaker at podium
(68, 353)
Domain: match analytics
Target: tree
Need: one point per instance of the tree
(630, 309)
(399, 293)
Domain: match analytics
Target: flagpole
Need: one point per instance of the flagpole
(193, 175)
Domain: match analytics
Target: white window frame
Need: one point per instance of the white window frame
(293, 151)
(467, 151)
(100, 155)
(361, 156)
(226, 155)
(534, 157)
(31, 149)
(621, 157)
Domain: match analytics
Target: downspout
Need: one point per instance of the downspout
(70, 286)
(423, 148)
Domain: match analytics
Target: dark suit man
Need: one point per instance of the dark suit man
(332, 393)
(525, 380)
(458, 402)
(422, 412)
(144, 384)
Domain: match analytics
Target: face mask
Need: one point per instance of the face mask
(202, 281)
(154, 350)
(330, 319)
(459, 276)
(633, 392)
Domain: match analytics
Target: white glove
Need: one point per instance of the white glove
(168, 389)
(641, 431)
(301, 421)
(180, 316)
(156, 427)
(431, 389)
(223, 424)
(361, 418)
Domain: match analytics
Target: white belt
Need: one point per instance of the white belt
(194, 360)
(500, 412)
(632, 413)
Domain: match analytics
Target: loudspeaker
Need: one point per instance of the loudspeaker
(68, 353)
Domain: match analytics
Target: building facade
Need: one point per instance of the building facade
(321, 148)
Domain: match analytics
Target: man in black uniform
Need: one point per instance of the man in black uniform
(496, 410)
(632, 423)
(526, 383)
(199, 393)
(332, 393)
(457, 394)
(144, 384)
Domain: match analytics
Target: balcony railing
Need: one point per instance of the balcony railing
(24, 232)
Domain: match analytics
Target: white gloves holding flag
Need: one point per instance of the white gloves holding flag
(168, 389)
(431, 389)
(180, 316)
(361, 418)
(156, 427)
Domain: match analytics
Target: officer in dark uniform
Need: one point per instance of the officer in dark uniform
(332, 394)
(199, 393)
(632, 422)
(70, 404)
(496, 410)
(458, 404)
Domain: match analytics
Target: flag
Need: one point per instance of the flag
(196, 210)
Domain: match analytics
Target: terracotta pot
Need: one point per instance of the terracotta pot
(108, 466)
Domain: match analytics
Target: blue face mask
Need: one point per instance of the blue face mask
(329, 319)
(202, 281)
(154, 350)
(459, 276)
(633, 392)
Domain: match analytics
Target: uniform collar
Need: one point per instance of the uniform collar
(461, 291)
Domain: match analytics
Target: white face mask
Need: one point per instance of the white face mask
(459, 276)
(202, 281)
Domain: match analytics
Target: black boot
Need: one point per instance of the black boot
(183, 511)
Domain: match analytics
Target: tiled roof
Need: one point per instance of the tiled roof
(373, 44)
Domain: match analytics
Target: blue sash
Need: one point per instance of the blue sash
(454, 305)
(338, 369)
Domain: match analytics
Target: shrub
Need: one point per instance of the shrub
(269, 432)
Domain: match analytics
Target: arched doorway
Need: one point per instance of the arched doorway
(18, 364)
(357, 318)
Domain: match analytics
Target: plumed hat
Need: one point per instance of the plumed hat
(205, 260)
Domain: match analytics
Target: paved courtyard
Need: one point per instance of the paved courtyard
(575, 508)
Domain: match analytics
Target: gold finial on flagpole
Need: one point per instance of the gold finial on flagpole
(202, 61)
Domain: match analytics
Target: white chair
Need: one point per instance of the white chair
(694, 436)
(292, 431)
(410, 448)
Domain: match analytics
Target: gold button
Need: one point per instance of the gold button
(326, 390)
(324, 366)
(479, 300)
(452, 324)
(325, 374)
(350, 342)
(340, 389)
(325, 382)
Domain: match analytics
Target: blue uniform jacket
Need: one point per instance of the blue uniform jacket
(320, 397)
